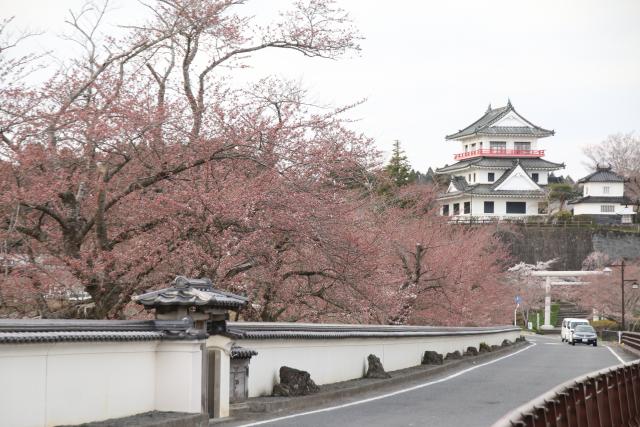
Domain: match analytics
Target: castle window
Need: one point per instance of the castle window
(488, 207)
(605, 190)
(491, 176)
(524, 146)
(456, 208)
(467, 207)
(535, 177)
(516, 207)
(445, 210)
(607, 208)
(498, 145)
(474, 177)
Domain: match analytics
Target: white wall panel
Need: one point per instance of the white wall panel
(334, 360)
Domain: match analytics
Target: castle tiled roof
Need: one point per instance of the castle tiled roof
(501, 163)
(601, 199)
(482, 126)
(602, 174)
(463, 187)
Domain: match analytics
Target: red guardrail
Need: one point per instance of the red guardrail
(610, 397)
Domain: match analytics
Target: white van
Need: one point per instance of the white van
(568, 326)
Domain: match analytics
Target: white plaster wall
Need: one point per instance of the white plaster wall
(616, 189)
(178, 376)
(594, 209)
(335, 360)
(499, 205)
(486, 142)
(459, 201)
(482, 175)
(73, 383)
(543, 177)
(517, 179)
(477, 206)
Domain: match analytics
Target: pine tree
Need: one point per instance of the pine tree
(398, 168)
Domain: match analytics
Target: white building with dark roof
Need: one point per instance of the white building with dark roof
(500, 170)
(603, 197)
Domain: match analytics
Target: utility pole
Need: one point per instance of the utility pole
(634, 285)
(622, 287)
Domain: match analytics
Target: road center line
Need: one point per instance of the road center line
(616, 355)
(384, 396)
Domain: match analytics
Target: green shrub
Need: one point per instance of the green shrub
(600, 325)
(584, 218)
(563, 216)
(534, 219)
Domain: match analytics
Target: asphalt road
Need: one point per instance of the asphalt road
(472, 396)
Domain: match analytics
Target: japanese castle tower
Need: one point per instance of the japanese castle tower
(603, 197)
(500, 170)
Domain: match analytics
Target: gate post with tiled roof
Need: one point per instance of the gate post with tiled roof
(208, 308)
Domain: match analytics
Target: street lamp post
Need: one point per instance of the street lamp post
(622, 282)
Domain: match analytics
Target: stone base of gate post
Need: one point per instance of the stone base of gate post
(219, 354)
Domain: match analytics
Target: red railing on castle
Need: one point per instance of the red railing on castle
(498, 152)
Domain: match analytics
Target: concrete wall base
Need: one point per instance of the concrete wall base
(153, 419)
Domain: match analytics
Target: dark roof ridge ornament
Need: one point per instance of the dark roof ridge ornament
(489, 108)
(180, 282)
(509, 103)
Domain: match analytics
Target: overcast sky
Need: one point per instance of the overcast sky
(429, 68)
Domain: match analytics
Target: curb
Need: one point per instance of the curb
(278, 404)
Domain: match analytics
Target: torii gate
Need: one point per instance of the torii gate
(547, 298)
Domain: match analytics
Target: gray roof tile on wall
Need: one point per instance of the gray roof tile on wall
(238, 352)
(262, 331)
(78, 336)
(18, 331)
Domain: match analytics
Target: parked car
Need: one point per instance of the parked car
(584, 334)
(568, 326)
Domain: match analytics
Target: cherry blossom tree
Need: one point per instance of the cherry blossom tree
(530, 289)
(604, 293)
(140, 160)
(439, 273)
(99, 160)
